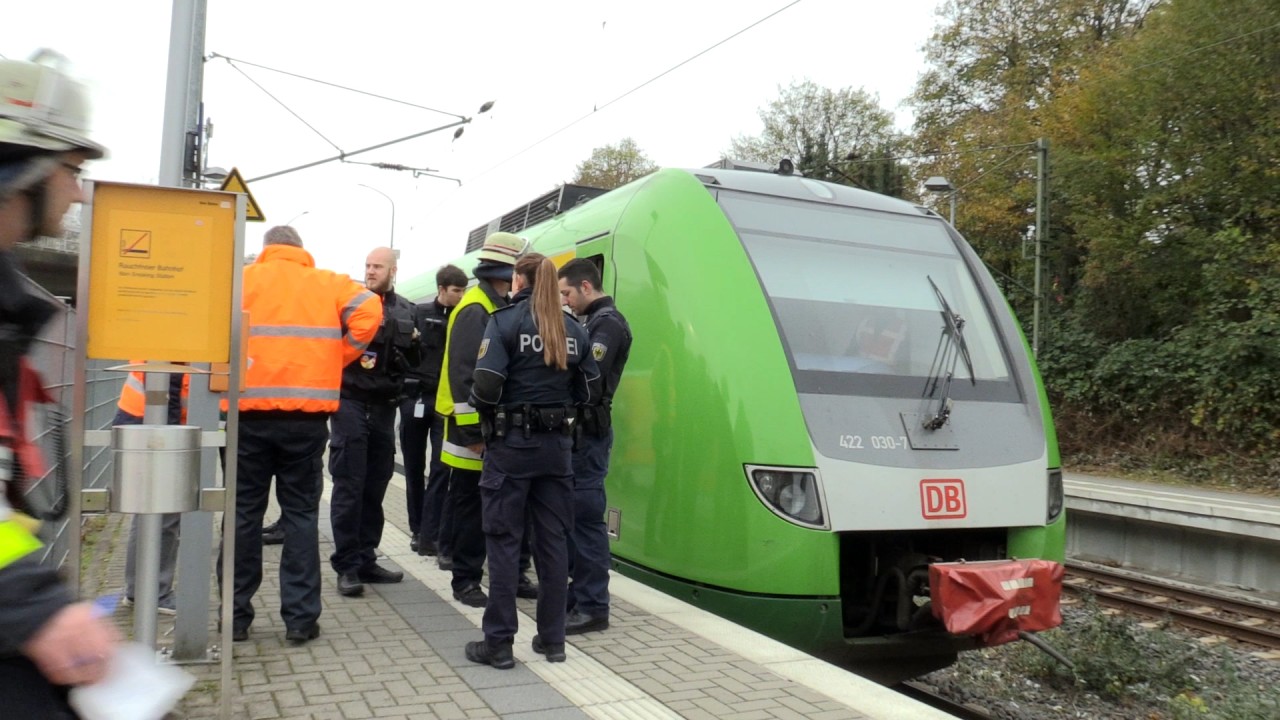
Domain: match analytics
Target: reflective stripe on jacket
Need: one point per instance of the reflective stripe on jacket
(16, 540)
(133, 397)
(454, 403)
(305, 325)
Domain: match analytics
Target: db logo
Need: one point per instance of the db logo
(942, 499)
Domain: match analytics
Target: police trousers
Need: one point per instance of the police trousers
(527, 478)
(426, 479)
(589, 558)
(362, 457)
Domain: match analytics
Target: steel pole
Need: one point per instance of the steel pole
(1042, 229)
(146, 583)
(182, 93)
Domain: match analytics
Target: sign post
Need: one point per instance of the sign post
(160, 281)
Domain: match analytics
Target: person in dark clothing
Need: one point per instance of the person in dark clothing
(426, 485)
(362, 444)
(463, 443)
(48, 642)
(533, 370)
(589, 541)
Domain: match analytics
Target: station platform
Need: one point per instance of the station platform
(397, 652)
(1207, 537)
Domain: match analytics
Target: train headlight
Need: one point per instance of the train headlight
(1055, 495)
(794, 494)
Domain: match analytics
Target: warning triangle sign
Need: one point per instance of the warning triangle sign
(236, 184)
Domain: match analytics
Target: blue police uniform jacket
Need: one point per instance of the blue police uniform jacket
(510, 369)
(610, 342)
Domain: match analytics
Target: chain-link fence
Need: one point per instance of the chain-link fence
(53, 355)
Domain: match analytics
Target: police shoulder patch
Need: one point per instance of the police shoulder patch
(484, 348)
(598, 350)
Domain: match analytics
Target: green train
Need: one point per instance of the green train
(827, 393)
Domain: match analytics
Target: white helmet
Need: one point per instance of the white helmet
(42, 107)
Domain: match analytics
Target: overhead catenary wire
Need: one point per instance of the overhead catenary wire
(232, 61)
(286, 107)
(1193, 51)
(668, 71)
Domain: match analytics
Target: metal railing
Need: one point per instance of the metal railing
(53, 355)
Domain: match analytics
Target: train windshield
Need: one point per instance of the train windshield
(851, 295)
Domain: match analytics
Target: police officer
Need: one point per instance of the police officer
(533, 370)
(362, 446)
(426, 487)
(589, 541)
(463, 443)
(47, 641)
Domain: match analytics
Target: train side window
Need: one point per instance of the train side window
(598, 261)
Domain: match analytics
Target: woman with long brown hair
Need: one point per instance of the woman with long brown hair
(534, 369)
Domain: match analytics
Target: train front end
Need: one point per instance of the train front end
(879, 418)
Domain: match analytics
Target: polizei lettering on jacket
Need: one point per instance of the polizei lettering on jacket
(535, 342)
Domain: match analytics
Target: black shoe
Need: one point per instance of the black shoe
(426, 548)
(237, 634)
(445, 562)
(578, 623)
(553, 651)
(471, 595)
(526, 588)
(413, 542)
(298, 636)
(349, 584)
(499, 657)
(377, 575)
(273, 534)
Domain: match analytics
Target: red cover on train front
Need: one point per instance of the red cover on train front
(996, 600)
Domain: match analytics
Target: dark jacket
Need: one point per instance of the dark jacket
(511, 369)
(378, 375)
(432, 320)
(30, 593)
(467, 332)
(610, 342)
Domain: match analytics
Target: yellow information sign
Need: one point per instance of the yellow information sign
(235, 183)
(160, 273)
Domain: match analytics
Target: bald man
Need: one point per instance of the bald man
(362, 445)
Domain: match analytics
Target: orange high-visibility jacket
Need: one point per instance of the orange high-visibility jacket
(133, 397)
(305, 325)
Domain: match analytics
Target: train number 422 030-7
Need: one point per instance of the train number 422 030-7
(874, 442)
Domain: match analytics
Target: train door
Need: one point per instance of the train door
(599, 250)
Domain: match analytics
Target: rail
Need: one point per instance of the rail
(1244, 619)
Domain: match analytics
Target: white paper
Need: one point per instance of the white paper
(419, 409)
(136, 688)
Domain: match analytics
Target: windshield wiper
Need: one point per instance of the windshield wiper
(951, 347)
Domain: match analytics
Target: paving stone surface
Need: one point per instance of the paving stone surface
(397, 652)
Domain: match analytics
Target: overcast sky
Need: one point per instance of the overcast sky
(544, 65)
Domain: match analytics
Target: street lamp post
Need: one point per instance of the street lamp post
(939, 184)
(392, 244)
(295, 217)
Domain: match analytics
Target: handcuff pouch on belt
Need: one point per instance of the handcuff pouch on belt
(595, 420)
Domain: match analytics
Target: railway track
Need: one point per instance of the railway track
(921, 692)
(1241, 619)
